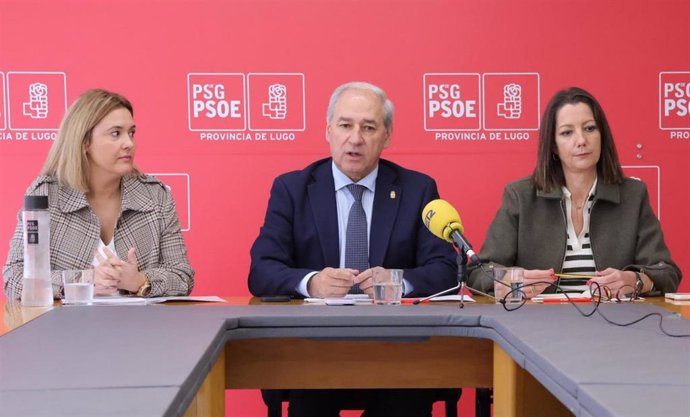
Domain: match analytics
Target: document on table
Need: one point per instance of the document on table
(678, 296)
(352, 299)
(456, 297)
(110, 301)
(349, 299)
(562, 297)
(441, 298)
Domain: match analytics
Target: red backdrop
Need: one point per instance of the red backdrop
(200, 74)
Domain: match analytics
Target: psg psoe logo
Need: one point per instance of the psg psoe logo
(265, 107)
(511, 101)
(674, 103)
(37, 106)
(276, 108)
(511, 106)
(451, 102)
(276, 103)
(36, 100)
(216, 102)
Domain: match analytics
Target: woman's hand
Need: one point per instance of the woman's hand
(534, 281)
(106, 275)
(113, 273)
(618, 282)
(537, 280)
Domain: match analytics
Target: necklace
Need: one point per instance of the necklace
(580, 205)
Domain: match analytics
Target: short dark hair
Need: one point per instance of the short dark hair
(549, 172)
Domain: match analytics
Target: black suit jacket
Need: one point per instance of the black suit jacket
(300, 231)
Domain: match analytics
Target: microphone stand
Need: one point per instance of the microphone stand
(461, 260)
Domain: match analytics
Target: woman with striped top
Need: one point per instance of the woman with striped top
(577, 214)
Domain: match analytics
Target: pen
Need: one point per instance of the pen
(574, 276)
(411, 300)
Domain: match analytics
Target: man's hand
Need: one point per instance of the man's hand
(366, 283)
(332, 282)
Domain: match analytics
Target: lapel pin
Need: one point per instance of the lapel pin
(392, 195)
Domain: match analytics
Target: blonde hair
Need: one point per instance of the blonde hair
(67, 159)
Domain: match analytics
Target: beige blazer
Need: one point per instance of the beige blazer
(148, 222)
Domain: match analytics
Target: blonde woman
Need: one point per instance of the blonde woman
(103, 211)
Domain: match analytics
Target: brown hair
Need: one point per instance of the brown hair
(548, 173)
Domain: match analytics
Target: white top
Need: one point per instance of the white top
(579, 258)
(101, 250)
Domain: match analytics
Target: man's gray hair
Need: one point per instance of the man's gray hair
(360, 85)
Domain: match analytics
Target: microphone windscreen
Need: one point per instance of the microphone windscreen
(441, 219)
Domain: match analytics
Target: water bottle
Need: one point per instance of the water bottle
(37, 287)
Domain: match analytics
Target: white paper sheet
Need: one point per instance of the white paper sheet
(111, 301)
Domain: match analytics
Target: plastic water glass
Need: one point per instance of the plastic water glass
(78, 286)
(508, 284)
(387, 286)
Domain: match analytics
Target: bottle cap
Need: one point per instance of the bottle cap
(35, 202)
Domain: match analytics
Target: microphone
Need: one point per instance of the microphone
(444, 222)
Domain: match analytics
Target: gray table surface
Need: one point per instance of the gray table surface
(564, 351)
(150, 360)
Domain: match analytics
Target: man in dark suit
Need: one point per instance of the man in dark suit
(302, 247)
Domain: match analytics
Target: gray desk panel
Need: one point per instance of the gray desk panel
(516, 354)
(583, 413)
(357, 322)
(363, 315)
(114, 402)
(603, 400)
(566, 398)
(359, 333)
(111, 347)
(570, 349)
(173, 347)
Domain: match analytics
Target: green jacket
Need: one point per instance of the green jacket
(529, 231)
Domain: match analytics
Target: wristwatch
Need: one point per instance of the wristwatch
(145, 288)
(639, 283)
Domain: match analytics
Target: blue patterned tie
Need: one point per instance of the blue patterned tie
(356, 243)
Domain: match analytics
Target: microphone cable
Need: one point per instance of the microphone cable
(596, 302)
